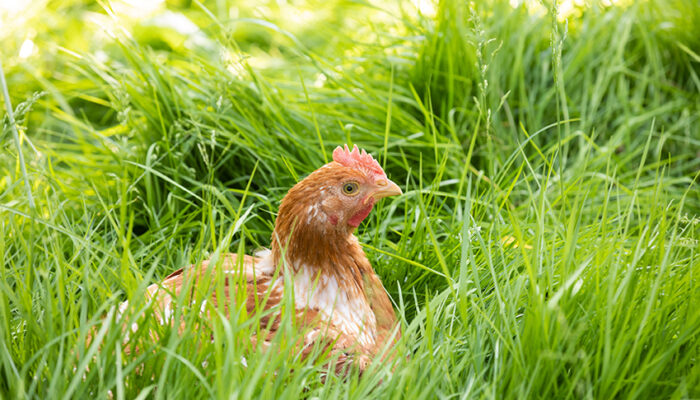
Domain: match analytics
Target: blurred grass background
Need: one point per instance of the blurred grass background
(546, 246)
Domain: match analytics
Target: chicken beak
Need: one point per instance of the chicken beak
(385, 188)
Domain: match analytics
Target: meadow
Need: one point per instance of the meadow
(546, 245)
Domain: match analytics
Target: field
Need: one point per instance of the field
(546, 245)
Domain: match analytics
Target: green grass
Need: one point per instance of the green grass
(546, 245)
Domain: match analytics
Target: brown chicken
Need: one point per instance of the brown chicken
(340, 302)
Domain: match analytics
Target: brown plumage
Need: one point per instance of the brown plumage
(339, 300)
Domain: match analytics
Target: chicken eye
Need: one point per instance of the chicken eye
(350, 188)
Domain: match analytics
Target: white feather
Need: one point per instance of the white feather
(351, 314)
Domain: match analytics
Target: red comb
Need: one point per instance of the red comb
(357, 159)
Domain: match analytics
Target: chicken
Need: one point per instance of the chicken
(339, 300)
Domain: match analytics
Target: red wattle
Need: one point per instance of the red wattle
(357, 219)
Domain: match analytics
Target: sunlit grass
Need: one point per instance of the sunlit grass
(546, 245)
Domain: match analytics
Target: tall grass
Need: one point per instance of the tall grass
(546, 245)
